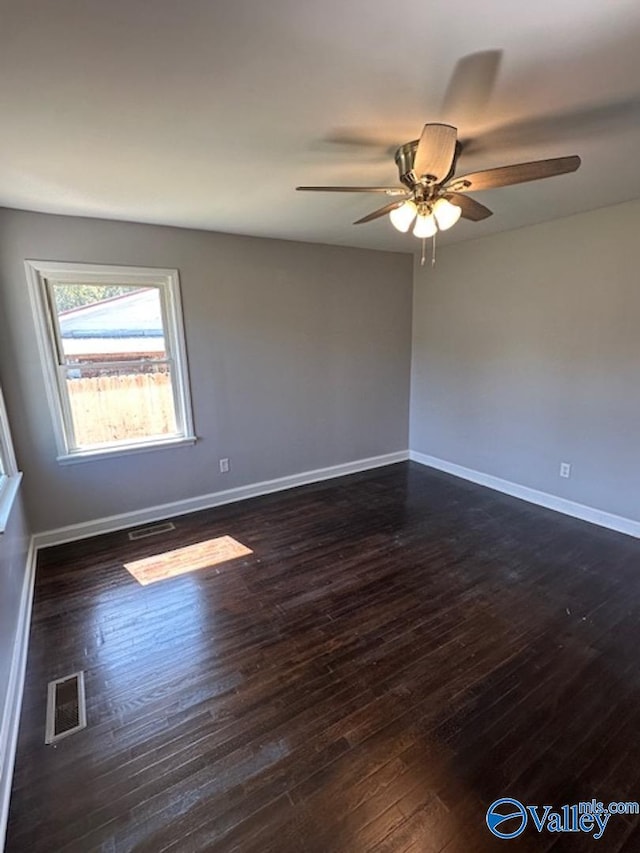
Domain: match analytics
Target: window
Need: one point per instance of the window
(9, 474)
(112, 346)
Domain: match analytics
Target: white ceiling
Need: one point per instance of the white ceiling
(207, 113)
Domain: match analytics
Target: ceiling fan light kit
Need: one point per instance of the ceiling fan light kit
(402, 217)
(425, 225)
(446, 213)
(432, 195)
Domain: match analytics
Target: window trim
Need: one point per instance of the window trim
(10, 477)
(40, 274)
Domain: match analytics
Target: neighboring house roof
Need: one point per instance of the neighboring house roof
(121, 324)
(134, 315)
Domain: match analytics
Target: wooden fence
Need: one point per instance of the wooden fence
(116, 407)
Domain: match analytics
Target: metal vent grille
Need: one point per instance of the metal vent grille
(66, 709)
(152, 530)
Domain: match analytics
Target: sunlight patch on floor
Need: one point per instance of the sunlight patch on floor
(202, 555)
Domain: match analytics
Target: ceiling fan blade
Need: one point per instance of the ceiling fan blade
(379, 212)
(471, 209)
(586, 121)
(357, 137)
(435, 152)
(520, 173)
(470, 88)
(388, 190)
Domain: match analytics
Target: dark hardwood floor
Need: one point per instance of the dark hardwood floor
(401, 649)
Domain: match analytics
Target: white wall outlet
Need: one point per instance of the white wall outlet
(565, 469)
(224, 466)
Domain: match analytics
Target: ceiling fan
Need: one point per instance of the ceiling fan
(432, 196)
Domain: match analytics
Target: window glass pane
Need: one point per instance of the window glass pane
(112, 341)
(111, 404)
(108, 322)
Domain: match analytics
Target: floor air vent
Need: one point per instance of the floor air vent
(152, 530)
(66, 710)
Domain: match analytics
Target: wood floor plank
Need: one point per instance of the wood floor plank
(400, 649)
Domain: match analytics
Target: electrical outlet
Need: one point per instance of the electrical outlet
(565, 469)
(224, 466)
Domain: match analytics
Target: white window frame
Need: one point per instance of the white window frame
(9, 475)
(41, 276)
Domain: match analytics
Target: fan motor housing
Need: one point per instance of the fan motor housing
(404, 158)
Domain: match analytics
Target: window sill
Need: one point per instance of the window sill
(8, 492)
(109, 452)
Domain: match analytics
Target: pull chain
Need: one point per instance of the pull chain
(423, 256)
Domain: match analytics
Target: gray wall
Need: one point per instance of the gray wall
(299, 356)
(526, 353)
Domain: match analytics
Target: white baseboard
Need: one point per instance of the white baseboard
(13, 701)
(585, 513)
(158, 513)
